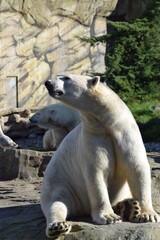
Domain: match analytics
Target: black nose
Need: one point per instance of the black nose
(47, 83)
(32, 120)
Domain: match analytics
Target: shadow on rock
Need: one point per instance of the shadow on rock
(22, 223)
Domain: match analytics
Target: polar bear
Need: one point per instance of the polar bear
(99, 163)
(53, 137)
(59, 119)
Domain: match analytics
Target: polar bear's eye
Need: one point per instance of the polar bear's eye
(65, 78)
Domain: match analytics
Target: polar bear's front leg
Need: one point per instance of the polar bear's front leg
(56, 214)
(140, 184)
(101, 209)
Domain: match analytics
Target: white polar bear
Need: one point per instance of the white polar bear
(93, 166)
(53, 137)
(59, 119)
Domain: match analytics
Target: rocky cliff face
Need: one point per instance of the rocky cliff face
(38, 41)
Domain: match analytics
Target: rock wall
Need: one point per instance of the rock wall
(38, 40)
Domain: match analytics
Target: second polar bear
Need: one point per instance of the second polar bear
(53, 137)
(98, 161)
(59, 119)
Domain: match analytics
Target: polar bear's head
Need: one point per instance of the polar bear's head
(44, 117)
(72, 89)
(55, 115)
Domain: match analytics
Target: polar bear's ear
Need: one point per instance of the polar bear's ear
(94, 81)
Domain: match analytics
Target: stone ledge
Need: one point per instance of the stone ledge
(29, 223)
(23, 164)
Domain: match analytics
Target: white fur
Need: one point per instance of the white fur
(95, 163)
(60, 119)
(53, 137)
(6, 142)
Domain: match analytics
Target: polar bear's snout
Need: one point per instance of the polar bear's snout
(49, 85)
(54, 88)
(34, 118)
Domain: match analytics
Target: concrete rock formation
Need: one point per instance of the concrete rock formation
(39, 42)
(81, 11)
(23, 164)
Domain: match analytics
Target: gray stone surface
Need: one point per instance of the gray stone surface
(30, 224)
(20, 213)
(23, 164)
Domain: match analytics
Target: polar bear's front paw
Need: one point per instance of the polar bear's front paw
(105, 218)
(148, 216)
(128, 209)
(57, 229)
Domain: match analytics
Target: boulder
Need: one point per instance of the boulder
(23, 164)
